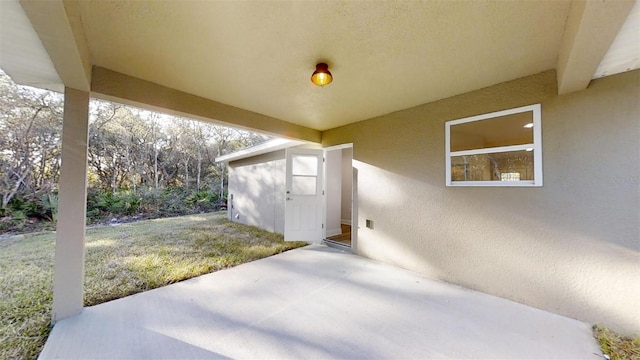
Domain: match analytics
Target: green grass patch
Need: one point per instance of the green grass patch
(615, 346)
(120, 260)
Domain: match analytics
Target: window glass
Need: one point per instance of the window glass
(510, 176)
(493, 132)
(303, 185)
(493, 166)
(304, 165)
(502, 148)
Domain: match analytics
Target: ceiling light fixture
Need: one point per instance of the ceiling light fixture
(321, 76)
(528, 126)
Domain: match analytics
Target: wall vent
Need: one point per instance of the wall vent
(370, 224)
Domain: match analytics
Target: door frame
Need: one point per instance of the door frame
(354, 195)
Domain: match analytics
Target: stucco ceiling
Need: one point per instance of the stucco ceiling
(248, 63)
(385, 56)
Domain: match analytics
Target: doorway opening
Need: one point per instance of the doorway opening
(339, 209)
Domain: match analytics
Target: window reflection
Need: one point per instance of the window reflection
(494, 132)
(493, 166)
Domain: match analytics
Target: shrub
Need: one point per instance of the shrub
(22, 212)
(202, 200)
(102, 204)
(129, 202)
(48, 203)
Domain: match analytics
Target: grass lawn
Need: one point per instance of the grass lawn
(120, 260)
(615, 346)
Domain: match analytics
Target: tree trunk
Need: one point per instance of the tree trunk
(186, 174)
(221, 195)
(114, 174)
(199, 170)
(130, 171)
(9, 195)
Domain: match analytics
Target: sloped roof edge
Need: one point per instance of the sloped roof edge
(265, 147)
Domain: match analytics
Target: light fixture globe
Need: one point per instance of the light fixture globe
(321, 76)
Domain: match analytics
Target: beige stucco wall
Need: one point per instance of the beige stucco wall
(571, 247)
(258, 187)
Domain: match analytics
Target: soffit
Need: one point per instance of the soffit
(624, 53)
(22, 54)
(385, 56)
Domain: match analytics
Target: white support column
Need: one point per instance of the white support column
(68, 282)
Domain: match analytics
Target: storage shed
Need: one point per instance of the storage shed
(259, 192)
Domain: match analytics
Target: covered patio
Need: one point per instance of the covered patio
(317, 302)
(402, 70)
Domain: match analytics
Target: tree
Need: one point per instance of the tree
(30, 123)
(132, 151)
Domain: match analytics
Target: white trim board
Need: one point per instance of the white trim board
(265, 147)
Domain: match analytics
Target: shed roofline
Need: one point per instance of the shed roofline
(265, 147)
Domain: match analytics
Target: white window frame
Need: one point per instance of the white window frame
(536, 145)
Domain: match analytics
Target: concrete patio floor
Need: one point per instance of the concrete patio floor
(312, 303)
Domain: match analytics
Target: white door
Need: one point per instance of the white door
(304, 196)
